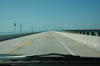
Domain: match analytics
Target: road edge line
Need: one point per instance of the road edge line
(64, 45)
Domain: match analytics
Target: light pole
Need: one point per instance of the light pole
(62, 28)
(15, 28)
(32, 28)
(20, 28)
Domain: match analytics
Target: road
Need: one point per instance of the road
(46, 42)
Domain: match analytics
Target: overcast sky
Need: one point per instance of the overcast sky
(49, 14)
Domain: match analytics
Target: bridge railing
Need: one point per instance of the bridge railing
(12, 36)
(88, 38)
(85, 32)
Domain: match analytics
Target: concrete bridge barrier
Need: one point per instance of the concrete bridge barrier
(7, 37)
(88, 40)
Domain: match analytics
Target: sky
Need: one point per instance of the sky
(49, 14)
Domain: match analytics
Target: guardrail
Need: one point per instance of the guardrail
(88, 38)
(85, 32)
(12, 36)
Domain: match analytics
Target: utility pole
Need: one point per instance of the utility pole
(20, 28)
(15, 28)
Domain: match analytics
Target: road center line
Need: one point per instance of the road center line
(64, 45)
(22, 45)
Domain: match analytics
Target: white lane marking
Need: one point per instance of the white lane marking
(64, 45)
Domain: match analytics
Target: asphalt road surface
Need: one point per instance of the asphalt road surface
(46, 42)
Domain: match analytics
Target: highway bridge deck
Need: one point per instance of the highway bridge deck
(46, 42)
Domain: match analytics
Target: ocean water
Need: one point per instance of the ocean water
(6, 33)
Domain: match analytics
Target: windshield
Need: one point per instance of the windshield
(36, 27)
